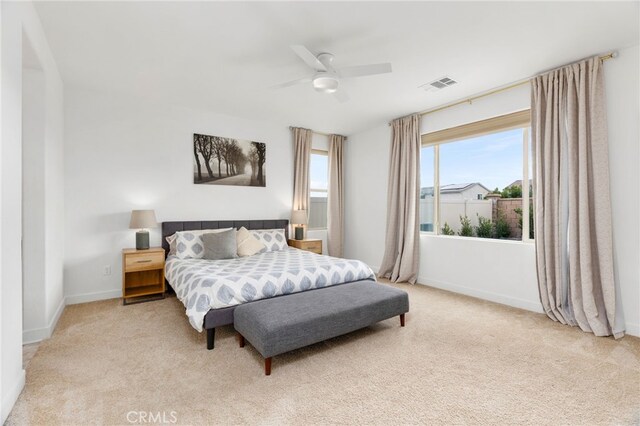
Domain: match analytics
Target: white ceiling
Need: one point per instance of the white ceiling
(224, 56)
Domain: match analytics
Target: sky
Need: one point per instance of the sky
(493, 160)
(319, 174)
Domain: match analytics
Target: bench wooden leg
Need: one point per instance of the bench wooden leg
(401, 320)
(211, 337)
(241, 340)
(267, 366)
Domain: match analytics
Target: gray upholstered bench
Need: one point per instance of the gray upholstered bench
(278, 325)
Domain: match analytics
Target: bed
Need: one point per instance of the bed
(210, 290)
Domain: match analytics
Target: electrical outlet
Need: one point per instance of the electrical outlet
(107, 270)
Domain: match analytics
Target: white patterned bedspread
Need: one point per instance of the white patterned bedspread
(203, 284)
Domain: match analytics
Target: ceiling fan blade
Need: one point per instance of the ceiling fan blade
(341, 95)
(308, 57)
(292, 83)
(364, 70)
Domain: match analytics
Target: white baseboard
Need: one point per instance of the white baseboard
(54, 321)
(485, 295)
(633, 329)
(35, 335)
(93, 297)
(10, 399)
(38, 334)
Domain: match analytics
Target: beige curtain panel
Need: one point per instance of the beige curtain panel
(301, 156)
(574, 250)
(335, 201)
(400, 260)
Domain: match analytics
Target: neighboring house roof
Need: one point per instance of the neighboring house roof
(452, 188)
(517, 183)
(459, 187)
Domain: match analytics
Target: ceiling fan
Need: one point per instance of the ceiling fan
(326, 79)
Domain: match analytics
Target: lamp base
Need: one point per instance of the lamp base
(299, 233)
(142, 240)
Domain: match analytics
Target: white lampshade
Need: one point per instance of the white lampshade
(299, 217)
(141, 219)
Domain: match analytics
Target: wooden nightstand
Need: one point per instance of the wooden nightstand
(314, 246)
(142, 275)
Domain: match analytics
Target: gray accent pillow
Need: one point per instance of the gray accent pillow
(221, 245)
(188, 244)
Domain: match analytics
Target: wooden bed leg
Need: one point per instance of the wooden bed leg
(401, 320)
(211, 337)
(267, 366)
(241, 340)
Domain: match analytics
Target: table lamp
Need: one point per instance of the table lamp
(142, 220)
(299, 217)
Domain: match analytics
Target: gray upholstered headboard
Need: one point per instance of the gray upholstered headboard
(170, 228)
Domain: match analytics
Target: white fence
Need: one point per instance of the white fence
(450, 212)
(318, 212)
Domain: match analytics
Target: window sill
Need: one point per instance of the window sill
(493, 240)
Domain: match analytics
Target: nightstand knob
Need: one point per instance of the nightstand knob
(144, 261)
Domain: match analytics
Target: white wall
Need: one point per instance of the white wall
(43, 201)
(500, 271)
(320, 142)
(622, 81)
(366, 172)
(33, 205)
(16, 18)
(123, 153)
(4, 406)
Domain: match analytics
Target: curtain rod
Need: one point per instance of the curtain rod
(318, 133)
(498, 90)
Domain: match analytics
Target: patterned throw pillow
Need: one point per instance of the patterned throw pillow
(248, 245)
(189, 244)
(273, 239)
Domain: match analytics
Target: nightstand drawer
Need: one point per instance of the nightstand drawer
(143, 261)
(311, 245)
(314, 246)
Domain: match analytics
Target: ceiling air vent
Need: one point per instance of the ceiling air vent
(438, 84)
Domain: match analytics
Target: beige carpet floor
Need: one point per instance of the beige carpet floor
(458, 361)
(28, 351)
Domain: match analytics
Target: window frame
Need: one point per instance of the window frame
(516, 120)
(326, 191)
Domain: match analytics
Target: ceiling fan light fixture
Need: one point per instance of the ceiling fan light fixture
(325, 83)
(325, 78)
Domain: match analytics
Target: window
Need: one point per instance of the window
(472, 180)
(427, 184)
(318, 187)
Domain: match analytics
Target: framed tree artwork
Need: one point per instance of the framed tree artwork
(226, 161)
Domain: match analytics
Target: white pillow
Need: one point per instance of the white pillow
(248, 245)
(189, 244)
(273, 239)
